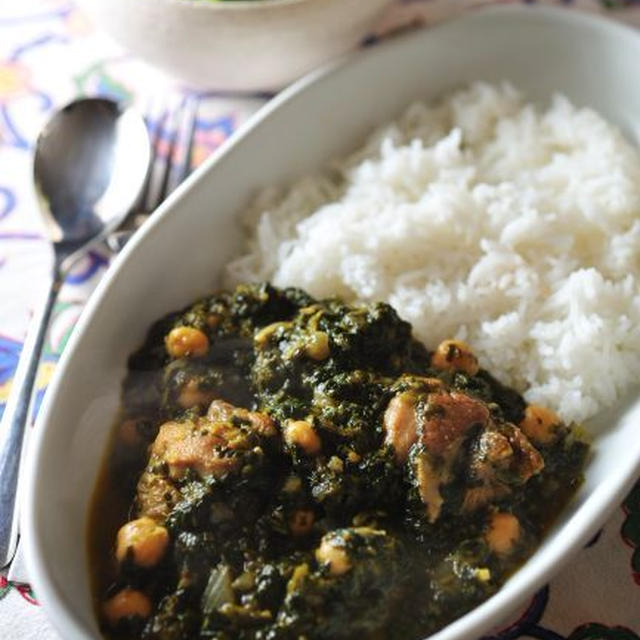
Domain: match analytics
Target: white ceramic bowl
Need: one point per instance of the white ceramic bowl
(182, 248)
(241, 45)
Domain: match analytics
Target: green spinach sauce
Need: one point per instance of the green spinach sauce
(306, 469)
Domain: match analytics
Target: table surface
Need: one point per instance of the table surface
(49, 54)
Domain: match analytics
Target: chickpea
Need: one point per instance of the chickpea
(146, 540)
(333, 555)
(455, 355)
(192, 395)
(292, 484)
(301, 522)
(483, 574)
(213, 320)
(336, 464)
(127, 603)
(353, 456)
(296, 581)
(263, 336)
(503, 533)
(317, 346)
(128, 433)
(310, 310)
(186, 341)
(540, 425)
(301, 433)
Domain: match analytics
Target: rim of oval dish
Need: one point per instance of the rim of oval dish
(577, 531)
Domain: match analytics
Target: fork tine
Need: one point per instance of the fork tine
(152, 127)
(192, 123)
(156, 130)
(172, 131)
(118, 238)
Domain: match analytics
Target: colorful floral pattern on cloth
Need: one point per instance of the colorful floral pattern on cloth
(631, 529)
(49, 54)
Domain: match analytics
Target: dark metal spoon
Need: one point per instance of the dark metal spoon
(90, 165)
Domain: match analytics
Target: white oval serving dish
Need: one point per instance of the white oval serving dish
(180, 252)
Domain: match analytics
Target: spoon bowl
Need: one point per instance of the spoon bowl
(90, 164)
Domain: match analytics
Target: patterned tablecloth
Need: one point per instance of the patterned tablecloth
(50, 53)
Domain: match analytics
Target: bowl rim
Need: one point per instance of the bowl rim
(577, 531)
(242, 5)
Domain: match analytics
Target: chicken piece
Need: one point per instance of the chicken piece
(261, 423)
(400, 424)
(198, 446)
(211, 446)
(448, 417)
(500, 458)
(438, 421)
(429, 481)
(437, 418)
(496, 456)
(156, 495)
(491, 456)
(527, 459)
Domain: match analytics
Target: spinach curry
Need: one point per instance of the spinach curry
(306, 469)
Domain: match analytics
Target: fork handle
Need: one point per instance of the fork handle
(14, 419)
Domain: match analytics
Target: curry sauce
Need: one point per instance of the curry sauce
(292, 468)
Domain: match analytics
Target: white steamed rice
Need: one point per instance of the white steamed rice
(484, 219)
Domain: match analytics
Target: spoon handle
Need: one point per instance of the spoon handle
(15, 417)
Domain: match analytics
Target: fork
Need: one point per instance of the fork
(172, 133)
